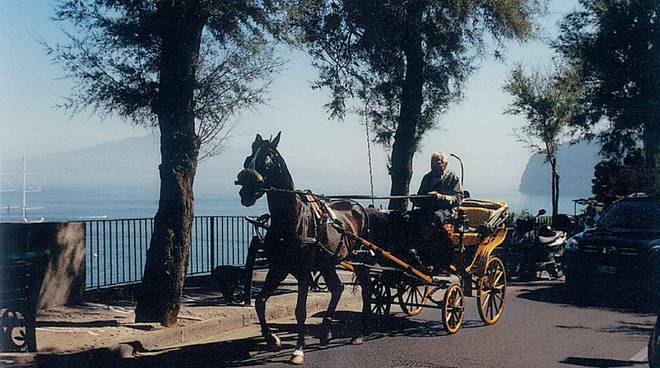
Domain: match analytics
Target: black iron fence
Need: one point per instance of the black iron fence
(117, 249)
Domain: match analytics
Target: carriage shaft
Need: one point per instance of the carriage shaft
(391, 257)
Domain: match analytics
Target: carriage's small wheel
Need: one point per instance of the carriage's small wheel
(381, 297)
(453, 309)
(412, 298)
(491, 289)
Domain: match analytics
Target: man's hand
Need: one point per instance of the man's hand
(441, 197)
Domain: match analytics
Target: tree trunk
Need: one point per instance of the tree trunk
(651, 139)
(167, 257)
(555, 188)
(403, 148)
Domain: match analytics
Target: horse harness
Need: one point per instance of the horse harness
(324, 216)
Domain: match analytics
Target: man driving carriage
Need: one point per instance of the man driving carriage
(446, 195)
(446, 187)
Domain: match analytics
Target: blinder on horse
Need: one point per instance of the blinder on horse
(257, 169)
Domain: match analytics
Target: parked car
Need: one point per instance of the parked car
(625, 244)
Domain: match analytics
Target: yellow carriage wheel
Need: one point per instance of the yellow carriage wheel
(412, 298)
(491, 290)
(453, 308)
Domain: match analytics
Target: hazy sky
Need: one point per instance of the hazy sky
(475, 129)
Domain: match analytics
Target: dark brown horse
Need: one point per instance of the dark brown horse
(297, 241)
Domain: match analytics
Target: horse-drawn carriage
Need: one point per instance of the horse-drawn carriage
(311, 232)
(407, 281)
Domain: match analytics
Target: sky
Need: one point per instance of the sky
(475, 129)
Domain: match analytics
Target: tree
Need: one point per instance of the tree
(549, 102)
(186, 66)
(406, 61)
(613, 180)
(614, 43)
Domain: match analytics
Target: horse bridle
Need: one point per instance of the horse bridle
(250, 168)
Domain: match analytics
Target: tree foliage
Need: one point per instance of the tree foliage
(613, 180)
(615, 44)
(405, 61)
(112, 55)
(359, 49)
(549, 102)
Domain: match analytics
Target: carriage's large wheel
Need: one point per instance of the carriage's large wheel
(412, 298)
(491, 289)
(381, 297)
(453, 309)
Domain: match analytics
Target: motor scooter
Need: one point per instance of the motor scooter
(534, 248)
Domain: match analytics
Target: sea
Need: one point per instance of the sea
(112, 260)
(71, 204)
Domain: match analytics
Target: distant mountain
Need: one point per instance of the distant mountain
(576, 168)
(127, 163)
(132, 164)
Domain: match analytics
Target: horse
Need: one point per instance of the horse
(297, 241)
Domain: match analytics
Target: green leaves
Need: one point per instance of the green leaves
(616, 46)
(549, 103)
(113, 56)
(360, 49)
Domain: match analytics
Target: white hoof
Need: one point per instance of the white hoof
(274, 342)
(297, 358)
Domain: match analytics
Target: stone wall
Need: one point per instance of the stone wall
(64, 279)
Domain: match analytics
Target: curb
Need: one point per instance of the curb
(278, 307)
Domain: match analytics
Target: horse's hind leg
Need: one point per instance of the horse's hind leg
(304, 281)
(274, 278)
(364, 279)
(336, 288)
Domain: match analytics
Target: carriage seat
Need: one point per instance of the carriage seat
(480, 211)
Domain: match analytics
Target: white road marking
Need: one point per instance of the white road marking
(642, 356)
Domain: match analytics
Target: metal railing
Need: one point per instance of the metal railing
(116, 250)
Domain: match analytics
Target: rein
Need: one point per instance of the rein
(347, 196)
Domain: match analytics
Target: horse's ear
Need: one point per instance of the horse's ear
(258, 139)
(276, 141)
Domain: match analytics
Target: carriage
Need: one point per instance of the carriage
(477, 271)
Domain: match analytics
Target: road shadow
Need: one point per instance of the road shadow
(601, 362)
(619, 297)
(248, 351)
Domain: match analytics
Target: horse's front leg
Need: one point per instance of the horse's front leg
(304, 281)
(274, 278)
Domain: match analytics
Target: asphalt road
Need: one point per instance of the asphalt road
(539, 328)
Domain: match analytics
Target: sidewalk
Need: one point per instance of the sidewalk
(203, 315)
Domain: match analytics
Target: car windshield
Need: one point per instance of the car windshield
(643, 215)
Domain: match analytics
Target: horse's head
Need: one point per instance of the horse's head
(258, 168)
